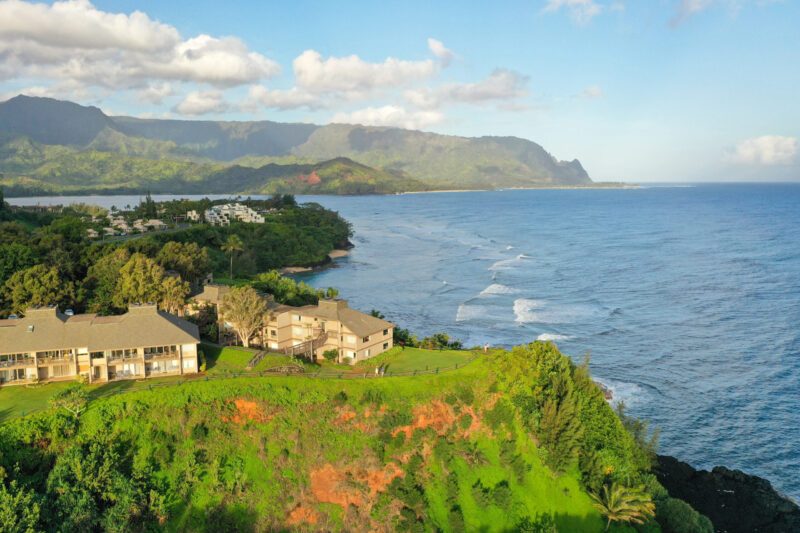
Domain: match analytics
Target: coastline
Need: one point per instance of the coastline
(332, 255)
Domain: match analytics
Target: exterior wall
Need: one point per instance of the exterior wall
(100, 366)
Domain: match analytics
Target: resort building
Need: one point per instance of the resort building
(223, 215)
(47, 345)
(330, 325)
(309, 330)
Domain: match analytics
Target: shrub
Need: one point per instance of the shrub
(330, 355)
(465, 422)
(677, 516)
(502, 413)
(466, 395)
(394, 419)
(542, 524)
(374, 396)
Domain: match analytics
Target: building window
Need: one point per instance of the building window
(365, 339)
(385, 332)
(366, 353)
(274, 333)
(160, 350)
(385, 345)
(298, 318)
(97, 355)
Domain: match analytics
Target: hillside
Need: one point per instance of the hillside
(476, 448)
(28, 167)
(433, 160)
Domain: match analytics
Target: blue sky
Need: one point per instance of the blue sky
(660, 90)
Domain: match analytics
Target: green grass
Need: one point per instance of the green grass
(399, 360)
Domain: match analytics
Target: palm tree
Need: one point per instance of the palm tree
(622, 504)
(233, 244)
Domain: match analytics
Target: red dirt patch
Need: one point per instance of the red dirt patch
(311, 179)
(476, 424)
(326, 487)
(378, 480)
(435, 414)
(301, 514)
(247, 410)
(344, 416)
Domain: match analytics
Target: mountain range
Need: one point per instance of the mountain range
(53, 146)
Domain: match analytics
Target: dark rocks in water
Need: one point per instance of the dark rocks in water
(606, 391)
(734, 501)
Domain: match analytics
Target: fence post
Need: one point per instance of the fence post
(261, 374)
(415, 372)
(437, 369)
(206, 377)
(149, 387)
(23, 413)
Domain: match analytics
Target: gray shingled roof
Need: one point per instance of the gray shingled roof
(359, 323)
(47, 329)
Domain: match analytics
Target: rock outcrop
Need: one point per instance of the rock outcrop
(734, 501)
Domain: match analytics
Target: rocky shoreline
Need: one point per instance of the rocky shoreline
(734, 501)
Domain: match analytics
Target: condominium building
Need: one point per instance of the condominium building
(312, 329)
(47, 345)
(223, 215)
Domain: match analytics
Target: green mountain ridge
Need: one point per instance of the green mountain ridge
(65, 144)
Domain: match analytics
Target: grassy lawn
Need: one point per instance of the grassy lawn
(16, 400)
(399, 360)
(225, 360)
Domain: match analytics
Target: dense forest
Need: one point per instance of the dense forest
(48, 260)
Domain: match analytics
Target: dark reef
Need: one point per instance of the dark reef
(734, 501)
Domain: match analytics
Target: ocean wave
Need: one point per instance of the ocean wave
(544, 337)
(497, 288)
(538, 311)
(525, 309)
(508, 263)
(469, 312)
(622, 391)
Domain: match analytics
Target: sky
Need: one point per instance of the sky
(637, 90)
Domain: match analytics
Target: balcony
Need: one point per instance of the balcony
(161, 356)
(114, 359)
(17, 363)
(55, 359)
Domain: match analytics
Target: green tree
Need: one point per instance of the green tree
(14, 257)
(622, 504)
(245, 310)
(19, 508)
(331, 293)
(140, 280)
(38, 286)
(560, 428)
(233, 244)
(74, 399)
(173, 295)
(189, 260)
(102, 279)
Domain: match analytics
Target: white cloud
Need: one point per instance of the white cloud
(292, 99)
(766, 150)
(500, 85)
(438, 49)
(591, 92)
(581, 11)
(352, 73)
(75, 41)
(686, 8)
(390, 115)
(156, 93)
(202, 103)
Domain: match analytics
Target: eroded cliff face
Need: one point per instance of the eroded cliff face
(734, 501)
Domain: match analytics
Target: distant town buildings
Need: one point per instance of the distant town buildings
(223, 215)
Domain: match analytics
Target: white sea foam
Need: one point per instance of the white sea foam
(544, 337)
(509, 247)
(509, 263)
(540, 311)
(622, 391)
(469, 312)
(497, 288)
(525, 309)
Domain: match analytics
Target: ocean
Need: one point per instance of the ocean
(687, 298)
